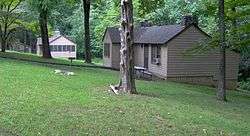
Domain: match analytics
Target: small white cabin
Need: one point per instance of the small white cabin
(60, 47)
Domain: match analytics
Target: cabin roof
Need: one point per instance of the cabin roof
(151, 35)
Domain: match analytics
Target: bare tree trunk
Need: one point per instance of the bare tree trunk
(221, 94)
(127, 81)
(44, 34)
(86, 4)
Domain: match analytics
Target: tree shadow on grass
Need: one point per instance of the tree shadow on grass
(4, 132)
(161, 89)
(187, 94)
(151, 89)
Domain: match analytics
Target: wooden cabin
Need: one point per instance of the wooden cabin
(161, 50)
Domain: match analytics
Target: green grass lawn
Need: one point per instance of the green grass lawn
(34, 57)
(35, 101)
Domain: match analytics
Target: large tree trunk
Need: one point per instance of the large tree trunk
(3, 45)
(127, 81)
(221, 94)
(86, 4)
(44, 34)
(3, 37)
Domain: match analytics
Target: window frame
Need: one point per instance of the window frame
(64, 48)
(68, 48)
(51, 47)
(156, 54)
(73, 48)
(55, 49)
(60, 49)
(105, 51)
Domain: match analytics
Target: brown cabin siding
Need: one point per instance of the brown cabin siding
(198, 65)
(139, 55)
(159, 70)
(114, 59)
(116, 55)
(106, 60)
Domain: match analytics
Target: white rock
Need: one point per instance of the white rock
(63, 72)
(57, 71)
(70, 73)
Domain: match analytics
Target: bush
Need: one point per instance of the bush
(245, 85)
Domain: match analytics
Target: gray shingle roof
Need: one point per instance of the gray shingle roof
(152, 35)
(114, 34)
(159, 34)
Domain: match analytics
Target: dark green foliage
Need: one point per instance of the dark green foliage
(245, 85)
(10, 20)
(244, 72)
(103, 14)
(145, 7)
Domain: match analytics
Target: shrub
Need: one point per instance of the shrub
(245, 85)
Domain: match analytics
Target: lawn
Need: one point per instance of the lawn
(34, 57)
(35, 101)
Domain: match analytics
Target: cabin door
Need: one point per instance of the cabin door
(146, 53)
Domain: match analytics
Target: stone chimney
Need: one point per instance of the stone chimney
(189, 20)
(145, 23)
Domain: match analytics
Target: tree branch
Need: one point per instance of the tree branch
(19, 2)
(13, 21)
(9, 6)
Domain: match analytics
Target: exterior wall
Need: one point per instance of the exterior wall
(203, 80)
(39, 50)
(106, 60)
(57, 54)
(63, 54)
(159, 70)
(139, 55)
(114, 59)
(115, 55)
(198, 66)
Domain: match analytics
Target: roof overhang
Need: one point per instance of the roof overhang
(166, 41)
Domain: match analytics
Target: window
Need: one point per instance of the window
(156, 54)
(51, 47)
(106, 50)
(73, 49)
(55, 48)
(59, 48)
(64, 48)
(68, 48)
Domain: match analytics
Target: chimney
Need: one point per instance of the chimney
(145, 23)
(189, 20)
(57, 33)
